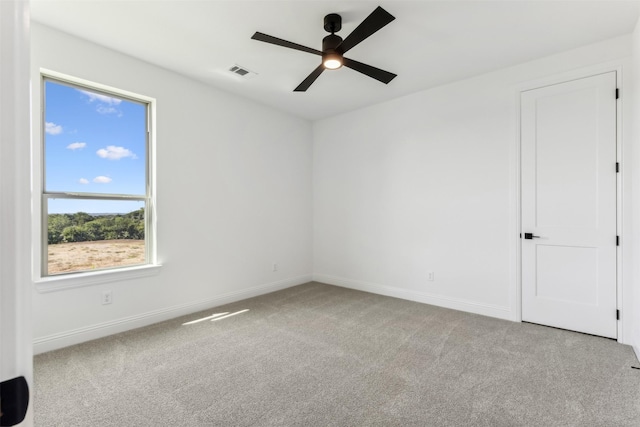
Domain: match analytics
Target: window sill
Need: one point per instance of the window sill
(80, 280)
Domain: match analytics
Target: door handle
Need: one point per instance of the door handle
(530, 236)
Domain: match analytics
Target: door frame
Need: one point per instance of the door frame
(16, 286)
(623, 281)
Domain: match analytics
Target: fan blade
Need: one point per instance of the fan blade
(372, 23)
(373, 72)
(302, 87)
(279, 42)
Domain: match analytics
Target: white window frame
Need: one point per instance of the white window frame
(49, 283)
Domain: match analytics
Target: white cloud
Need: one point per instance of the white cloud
(76, 145)
(83, 181)
(102, 179)
(101, 98)
(52, 128)
(103, 109)
(115, 153)
(104, 104)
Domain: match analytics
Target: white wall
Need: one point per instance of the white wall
(635, 307)
(428, 183)
(233, 197)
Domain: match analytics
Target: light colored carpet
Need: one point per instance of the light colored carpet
(319, 355)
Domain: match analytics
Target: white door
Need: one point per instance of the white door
(568, 138)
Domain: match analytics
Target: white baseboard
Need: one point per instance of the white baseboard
(423, 297)
(636, 349)
(80, 335)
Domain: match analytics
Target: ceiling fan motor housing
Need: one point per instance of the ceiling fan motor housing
(331, 52)
(331, 42)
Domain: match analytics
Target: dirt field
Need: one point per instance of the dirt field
(83, 256)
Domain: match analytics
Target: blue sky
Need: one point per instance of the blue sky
(93, 144)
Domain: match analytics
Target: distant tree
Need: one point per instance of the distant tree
(137, 215)
(81, 218)
(82, 227)
(93, 230)
(74, 233)
(57, 223)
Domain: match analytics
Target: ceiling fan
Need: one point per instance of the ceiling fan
(334, 47)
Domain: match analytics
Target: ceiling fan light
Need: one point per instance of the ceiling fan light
(332, 61)
(332, 64)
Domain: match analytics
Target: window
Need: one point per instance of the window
(96, 191)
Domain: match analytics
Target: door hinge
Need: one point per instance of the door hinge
(617, 93)
(617, 314)
(617, 167)
(14, 395)
(617, 240)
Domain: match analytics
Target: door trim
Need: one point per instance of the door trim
(515, 258)
(16, 347)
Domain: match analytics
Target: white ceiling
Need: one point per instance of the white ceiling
(430, 42)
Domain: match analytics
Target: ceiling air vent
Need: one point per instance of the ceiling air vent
(242, 72)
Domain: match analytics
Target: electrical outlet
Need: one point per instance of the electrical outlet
(275, 267)
(432, 276)
(107, 297)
